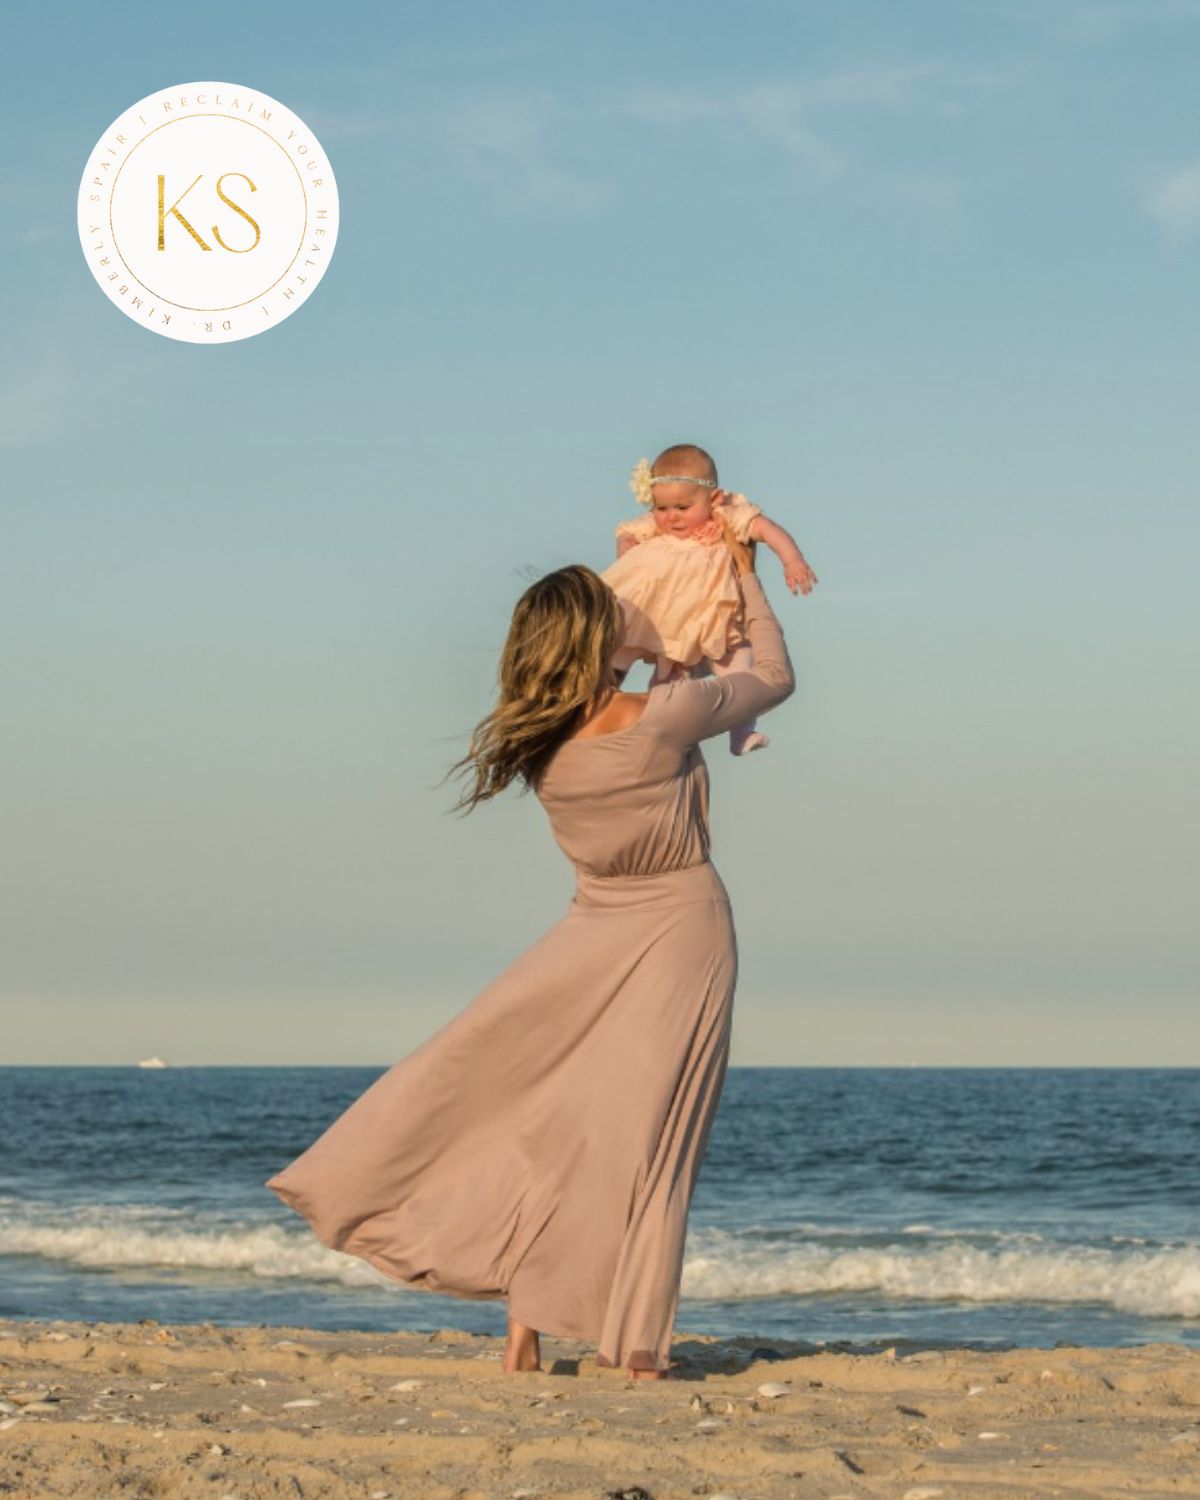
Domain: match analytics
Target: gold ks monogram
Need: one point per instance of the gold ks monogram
(163, 211)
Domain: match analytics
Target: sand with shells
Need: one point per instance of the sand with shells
(140, 1410)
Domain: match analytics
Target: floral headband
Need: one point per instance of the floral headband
(642, 481)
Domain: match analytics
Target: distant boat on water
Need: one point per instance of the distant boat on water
(152, 1062)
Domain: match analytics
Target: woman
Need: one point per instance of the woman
(544, 1144)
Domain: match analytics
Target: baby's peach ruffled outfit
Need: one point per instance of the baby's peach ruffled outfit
(682, 601)
(680, 595)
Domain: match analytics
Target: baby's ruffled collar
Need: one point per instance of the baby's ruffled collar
(709, 533)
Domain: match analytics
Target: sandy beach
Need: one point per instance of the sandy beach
(147, 1410)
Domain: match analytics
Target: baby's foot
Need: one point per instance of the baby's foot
(741, 742)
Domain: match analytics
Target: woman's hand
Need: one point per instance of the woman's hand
(742, 552)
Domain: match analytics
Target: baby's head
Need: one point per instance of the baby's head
(684, 480)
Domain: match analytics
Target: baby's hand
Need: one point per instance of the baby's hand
(798, 575)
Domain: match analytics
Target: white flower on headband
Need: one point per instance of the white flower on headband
(641, 483)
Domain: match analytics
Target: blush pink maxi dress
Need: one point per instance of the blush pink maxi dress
(542, 1146)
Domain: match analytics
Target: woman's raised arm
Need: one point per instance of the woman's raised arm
(695, 708)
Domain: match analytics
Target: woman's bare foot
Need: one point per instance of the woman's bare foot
(522, 1351)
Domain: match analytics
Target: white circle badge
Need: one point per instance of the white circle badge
(208, 212)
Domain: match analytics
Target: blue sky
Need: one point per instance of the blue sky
(924, 278)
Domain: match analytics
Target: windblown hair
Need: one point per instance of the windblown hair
(564, 630)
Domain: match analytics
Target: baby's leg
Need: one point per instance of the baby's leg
(745, 737)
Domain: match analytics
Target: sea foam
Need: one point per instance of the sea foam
(1154, 1281)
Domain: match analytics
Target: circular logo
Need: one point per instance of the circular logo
(208, 212)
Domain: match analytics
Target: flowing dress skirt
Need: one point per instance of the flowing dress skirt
(543, 1145)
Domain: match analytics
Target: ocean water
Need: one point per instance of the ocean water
(1007, 1206)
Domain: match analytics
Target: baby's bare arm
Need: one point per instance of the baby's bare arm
(795, 569)
(781, 542)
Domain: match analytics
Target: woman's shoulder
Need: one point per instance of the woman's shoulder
(632, 707)
(622, 711)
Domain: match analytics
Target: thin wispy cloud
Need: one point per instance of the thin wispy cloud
(927, 192)
(1108, 21)
(806, 117)
(1175, 203)
(50, 399)
(37, 401)
(572, 149)
(513, 140)
(35, 234)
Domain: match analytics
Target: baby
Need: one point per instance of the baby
(675, 577)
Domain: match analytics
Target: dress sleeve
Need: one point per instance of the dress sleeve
(739, 512)
(695, 708)
(639, 528)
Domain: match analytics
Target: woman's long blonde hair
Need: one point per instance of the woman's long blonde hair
(564, 630)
